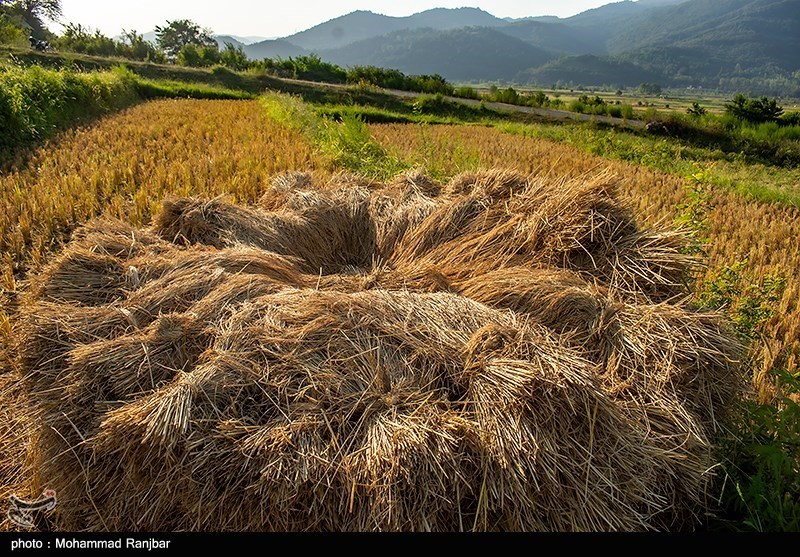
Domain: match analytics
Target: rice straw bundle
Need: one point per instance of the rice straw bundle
(497, 353)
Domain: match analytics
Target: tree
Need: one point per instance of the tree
(177, 34)
(35, 11)
(696, 109)
(134, 46)
(650, 89)
(755, 111)
(234, 58)
(29, 15)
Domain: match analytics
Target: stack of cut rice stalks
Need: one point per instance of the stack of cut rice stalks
(497, 353)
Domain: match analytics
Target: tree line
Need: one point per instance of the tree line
(185, 43)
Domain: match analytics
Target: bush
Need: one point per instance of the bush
(466, 93)
(34, 102)
(627, 111)
(539, 99)
(790, 119)
(395, 79)
(650, 89)
(508, 96)
(198, 56)
(76, 38)
(11, 32)
(696, 110)
(310, 68)
(234, 58)
(614, 111)
(576, 106)
(755, 111)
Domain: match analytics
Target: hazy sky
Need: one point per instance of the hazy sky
(284, 17)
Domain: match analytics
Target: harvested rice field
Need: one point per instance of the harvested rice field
(207, 326)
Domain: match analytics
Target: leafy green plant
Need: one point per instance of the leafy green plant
(759, 483)
(761, 480)
(694, 212)
(759, 453)
(696, 110)
(748, 303)
(754, 110)
(466, 92)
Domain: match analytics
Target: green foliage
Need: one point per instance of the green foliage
(234, 58)
(598, 106)
(760, 454)
(438, 105)
(40, 9)
(76, 38)
(34, 102)
(694, 212)
(576, 106)
(696, 110)
(627, 111)
(791, 119)
(134, 47)
(508, 95)
(539, 99)
(761, 479)
(309, 68)
(33, 13)
(466, 92)
(154, 89)
(175, 35)
(198, 56)
(346, 144)
(755, 111)
(747, 303)
(349, 145)
(650, 89)
(368, 114)
(11, 31)
(395, 79)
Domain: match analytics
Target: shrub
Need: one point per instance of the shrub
(754, 111)
(696, 110)
(539, 99)
(234, 58)
(198, 56)
(466, 93)
(34, 102)
(577, 106)
(627, 111)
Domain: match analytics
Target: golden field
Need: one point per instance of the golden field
(126, 164)
(765, 233)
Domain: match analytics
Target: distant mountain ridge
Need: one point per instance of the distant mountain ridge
(752, 45)
(361, 25)
(469, 53)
